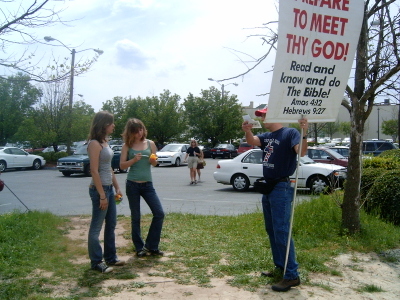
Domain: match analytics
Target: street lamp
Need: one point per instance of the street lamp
(222, 85)
(71, 82)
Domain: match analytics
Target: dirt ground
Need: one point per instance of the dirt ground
(358, 270)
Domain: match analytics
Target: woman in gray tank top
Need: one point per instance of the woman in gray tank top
(101, 191)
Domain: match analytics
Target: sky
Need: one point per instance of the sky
(155, 45)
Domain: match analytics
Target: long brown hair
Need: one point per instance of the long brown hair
(100, 122)
(133, 126)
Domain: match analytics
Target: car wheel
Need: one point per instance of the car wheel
(87, 170)
(36, 164)
(240, 182)
(177, 162)
(319, 184)
(66, 174)
(3, 165)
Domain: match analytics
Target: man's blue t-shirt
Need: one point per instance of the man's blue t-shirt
(279, 157)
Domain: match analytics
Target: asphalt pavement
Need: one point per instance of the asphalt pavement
(48, 190)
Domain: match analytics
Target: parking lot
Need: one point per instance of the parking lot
(48, 189)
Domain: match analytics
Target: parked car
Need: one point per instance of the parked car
(376, 147)
(79, 162)
(342, 150)
(224, 150)
(116, 148)
(242, 171)
(206, 151)
(243, 147)
(13, 157)
(327, 156)
(60, 148)
(172, 154)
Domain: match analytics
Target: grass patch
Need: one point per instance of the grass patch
(203, 247)
(370, 288)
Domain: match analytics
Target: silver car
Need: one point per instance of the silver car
(242, 171)
(172, 154)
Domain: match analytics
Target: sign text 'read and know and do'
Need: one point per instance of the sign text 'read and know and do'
(317, 40)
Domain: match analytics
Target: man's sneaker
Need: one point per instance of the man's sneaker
(285, 284)
(103, 268)
(117, 263)
(156, 252)
(142, 253)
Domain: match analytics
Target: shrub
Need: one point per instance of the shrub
(53, 156)
(388, 163)
(368, 178)
(394, 154)
(383, 197)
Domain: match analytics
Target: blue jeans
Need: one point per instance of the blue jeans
(277, 211)
(133, 191)
(98, 217)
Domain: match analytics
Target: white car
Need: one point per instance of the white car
(61, 148)
(172, 154)
(242, 171)
(13, 157)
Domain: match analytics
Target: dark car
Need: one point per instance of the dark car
(206, 151)
(224, 150)
(326, 156)
(79, 162)
(376, 147)
(243, 147)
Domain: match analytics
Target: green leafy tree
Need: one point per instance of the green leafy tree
(331, 128)
(390, 127)
(17, 96)
(82, 115)
(213, 118)
(345, 128)
(117, 106)
(163, 116)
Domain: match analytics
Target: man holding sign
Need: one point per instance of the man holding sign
(280, 148)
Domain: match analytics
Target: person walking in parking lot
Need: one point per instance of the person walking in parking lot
(193, 153)
(200, 164)
(139, 154)
(280, 147)
(102, 194)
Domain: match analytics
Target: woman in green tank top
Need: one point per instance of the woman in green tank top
(139, 154)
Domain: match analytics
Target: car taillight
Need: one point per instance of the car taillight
(218, 166)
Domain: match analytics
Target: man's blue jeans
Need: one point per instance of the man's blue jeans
(145, 189)
(98, 217)
(277, 211)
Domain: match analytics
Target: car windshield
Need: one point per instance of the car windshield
(81, 150)
(306, 160)
(245, 145)
(171, 148)
(222, 146)
(335, 154)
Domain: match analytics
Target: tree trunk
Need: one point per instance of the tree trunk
(351, 199)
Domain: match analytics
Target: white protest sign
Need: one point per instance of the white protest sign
(316, 47)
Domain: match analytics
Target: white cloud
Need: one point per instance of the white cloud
(130, 56)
